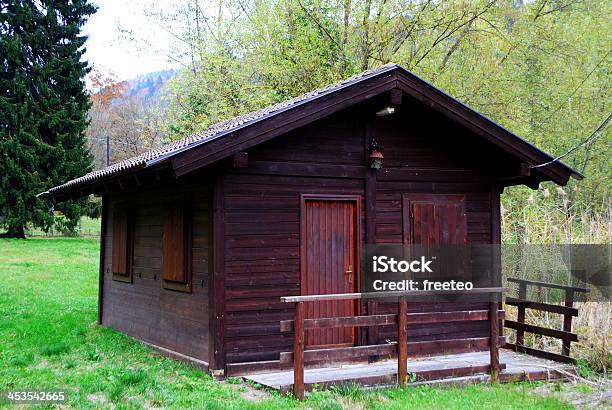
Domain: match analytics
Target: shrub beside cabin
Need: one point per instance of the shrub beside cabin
(201, 238)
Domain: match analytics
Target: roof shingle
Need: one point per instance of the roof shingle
(226, 128)
(217, 130)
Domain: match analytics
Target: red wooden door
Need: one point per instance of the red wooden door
(329, 264)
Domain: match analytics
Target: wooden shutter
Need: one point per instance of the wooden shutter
(435, 219)
(438, 220)
(176, 246)
(122, 245)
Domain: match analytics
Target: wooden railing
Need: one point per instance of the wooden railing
(567, 310)
(402, 319)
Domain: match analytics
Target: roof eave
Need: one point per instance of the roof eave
(411, 83)
(389, 68)
(88, 187)
(558, 172)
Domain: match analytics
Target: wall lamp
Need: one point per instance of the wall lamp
(376, 156)
(385, 111)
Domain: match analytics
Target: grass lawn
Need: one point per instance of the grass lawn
(49, 339)
(87, 227)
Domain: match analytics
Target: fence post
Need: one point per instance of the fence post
(402, 342)
(372, 335)
(567, 321)
(522, 295)
(298, 351)
(494, 336)
(372, 330)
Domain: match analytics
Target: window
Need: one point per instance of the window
(122, 245)
(176, 245)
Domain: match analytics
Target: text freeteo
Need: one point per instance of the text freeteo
(409, 284)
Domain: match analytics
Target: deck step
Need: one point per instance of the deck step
(357, 377)
(457, 368)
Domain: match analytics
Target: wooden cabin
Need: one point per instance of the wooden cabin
(202, 237)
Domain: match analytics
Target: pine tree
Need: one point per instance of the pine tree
(43, 109)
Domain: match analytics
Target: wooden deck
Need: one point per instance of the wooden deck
(457, 368)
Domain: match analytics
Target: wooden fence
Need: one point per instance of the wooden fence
(402, 319)
(567, 310)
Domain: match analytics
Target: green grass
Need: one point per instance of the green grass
(49, 339)
(87, 227)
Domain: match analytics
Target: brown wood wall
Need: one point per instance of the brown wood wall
(261, 209)
(257, 229)
(144, 309)
(261, 206)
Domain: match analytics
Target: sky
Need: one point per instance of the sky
(111, 50)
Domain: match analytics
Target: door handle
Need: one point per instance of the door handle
(349, 272)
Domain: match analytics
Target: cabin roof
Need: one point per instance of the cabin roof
(225, 129)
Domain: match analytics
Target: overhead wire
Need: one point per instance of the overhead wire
(598, 131)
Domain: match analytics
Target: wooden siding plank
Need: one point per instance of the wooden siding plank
(103, 232)
(217, 298)
(265, 205)
(143, 309)
(283, 123)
